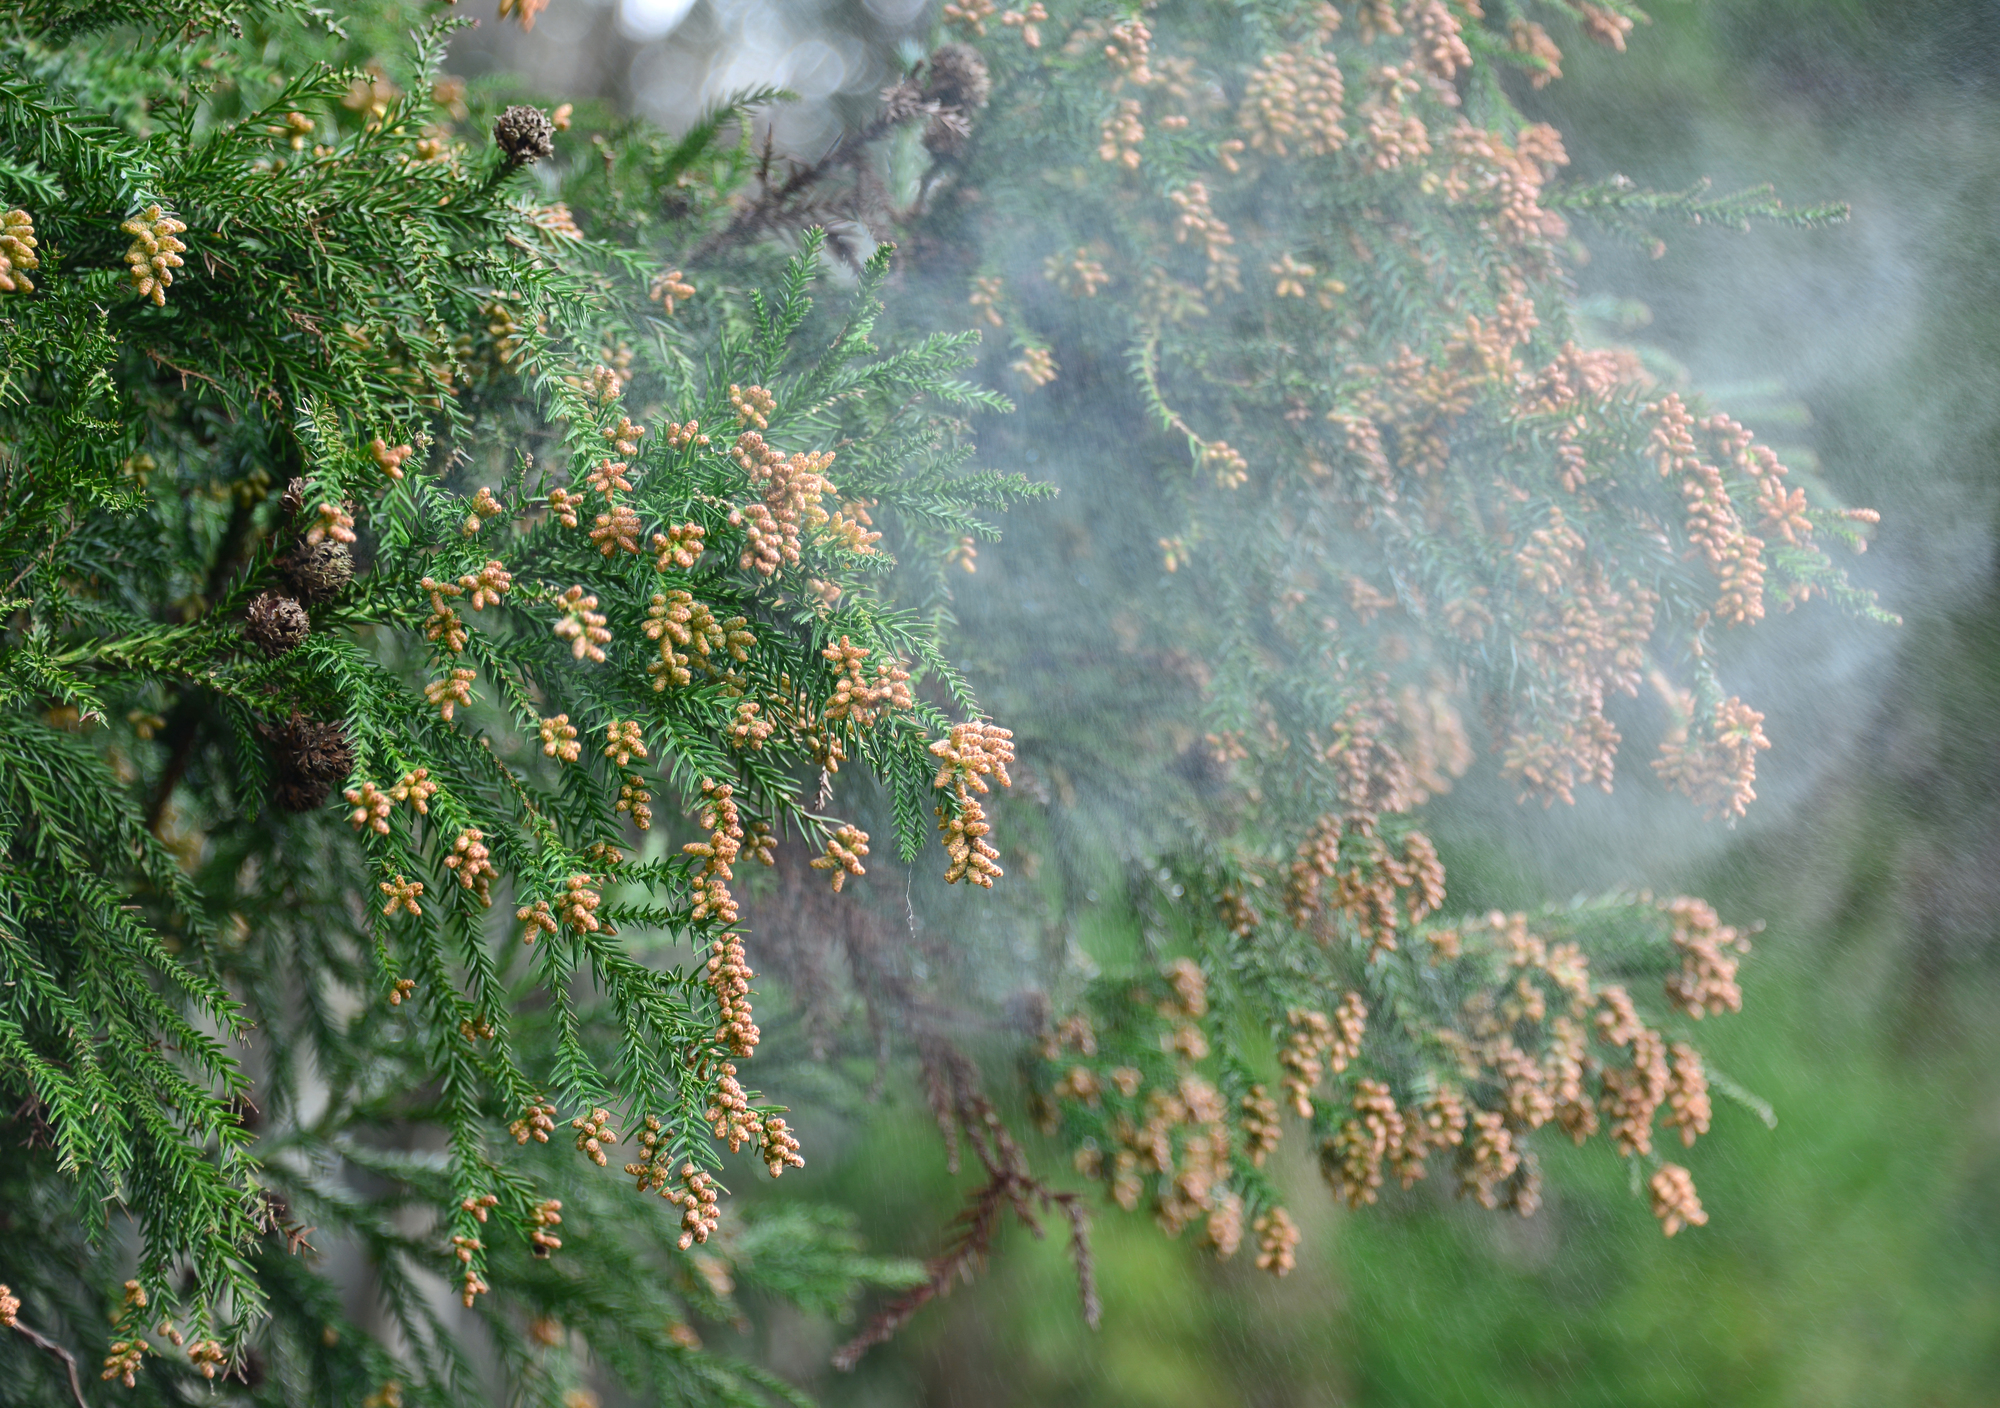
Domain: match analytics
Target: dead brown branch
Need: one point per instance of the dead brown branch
(837, 950)
(43, 1342)
(977, 1224)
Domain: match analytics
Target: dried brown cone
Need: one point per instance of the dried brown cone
(293, 500)
(311, 756)
(318, 571)
(948, 134)
(903, 102)
(299, 795)
(958, 78)
(526, 134)
(277, 623)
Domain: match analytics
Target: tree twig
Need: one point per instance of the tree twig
(962, 1109)
(977, 1224)
(1079, 1253)
(183, 372)
(42, 1341)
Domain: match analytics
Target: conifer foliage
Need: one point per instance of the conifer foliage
(1303, 271)
(386, 530)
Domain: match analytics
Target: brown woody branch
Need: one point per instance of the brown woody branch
(820, 928)
(43, 1342)
(951, 1082)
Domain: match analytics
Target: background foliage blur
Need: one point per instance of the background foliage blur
(1853, 1254)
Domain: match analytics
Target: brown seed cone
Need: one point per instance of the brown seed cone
(311, 756)
(318, 571)
(311, 748)
(958, 78)
(298, 794)
(293, 500)
(948, 134)
(526, 134)
(277, 623)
